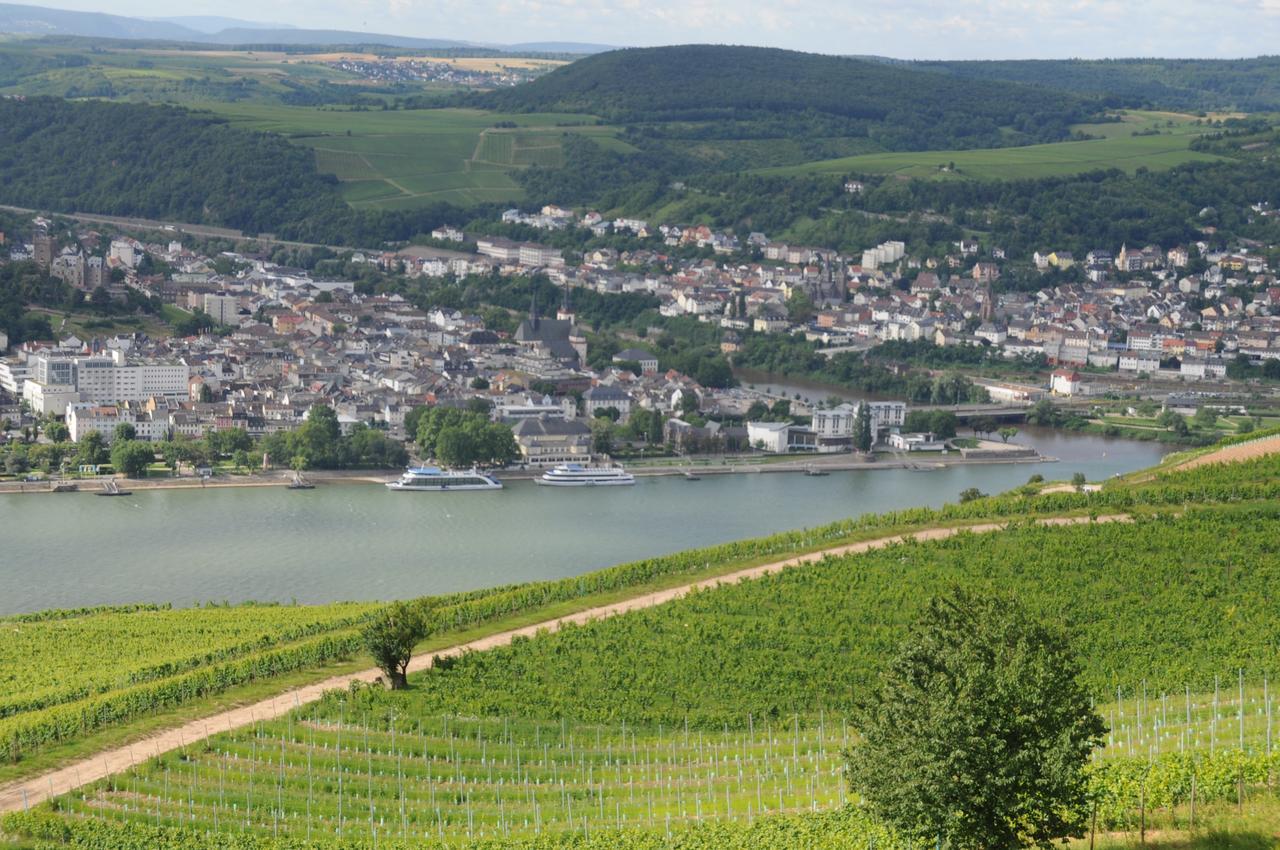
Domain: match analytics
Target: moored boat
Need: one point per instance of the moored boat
(433, 478)
(578, 475)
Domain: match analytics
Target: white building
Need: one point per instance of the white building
(916, 442)
(127, 251)
(516, 407)
(84, 418)
(56, 380)
(769, 436)
(835, 428)
(1065, 382)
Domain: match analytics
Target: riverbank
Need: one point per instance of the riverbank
(807, 464)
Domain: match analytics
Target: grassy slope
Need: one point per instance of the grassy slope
(402, 159)
(1117, 149)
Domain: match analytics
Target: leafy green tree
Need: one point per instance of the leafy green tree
(475, 441)
(479, 382)
(610, 413)
(1044, 413)
(1078, 480)
(984, 425)
(58, 432)
(757, 411)
(92, 450)
(863, 438)
(943, 423)
(979, 732)
(132, 457)
(391, 637)
(125, 431)
(602, 436)
(318, 438)
(1206, 417)
(781, 409)
(970, 494)
(1008, 433)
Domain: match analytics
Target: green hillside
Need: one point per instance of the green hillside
(1249, 85)
(1151, 140)
(712, 94)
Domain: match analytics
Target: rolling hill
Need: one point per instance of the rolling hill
(1250, 85)
(720, 93)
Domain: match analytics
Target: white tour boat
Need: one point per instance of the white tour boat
(577, 475)
(435, 478)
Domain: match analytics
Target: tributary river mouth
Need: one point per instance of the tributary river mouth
(355, 542)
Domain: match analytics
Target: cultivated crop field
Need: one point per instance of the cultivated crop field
(1118, 148)
(405, 159)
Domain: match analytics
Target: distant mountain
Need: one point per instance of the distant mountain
(214, 29)
(211, 24)
(556, 47)
(241, 35)
(763, 93)
(37, 20)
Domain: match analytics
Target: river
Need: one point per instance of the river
(348, 542)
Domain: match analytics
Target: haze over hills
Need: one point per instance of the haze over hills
(216, 23)
(22, 19)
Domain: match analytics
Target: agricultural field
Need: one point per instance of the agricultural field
(404, 159)
(1117, 147)
(159, 75)
(718, 720)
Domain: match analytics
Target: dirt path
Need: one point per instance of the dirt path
(1241, 451)
(15, 796)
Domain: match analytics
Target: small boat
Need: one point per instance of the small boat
(111, 488)
(300, 483)
(64, 487)
(577, 475)
(813, 472)
(690, 475)
(435, 479)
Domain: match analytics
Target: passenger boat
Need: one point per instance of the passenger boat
(434, 478)
(577, 475)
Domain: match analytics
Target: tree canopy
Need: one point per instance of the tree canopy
(979, 731)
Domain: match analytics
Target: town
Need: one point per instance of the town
(287, 341)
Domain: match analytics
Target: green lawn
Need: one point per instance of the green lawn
(1118, 148)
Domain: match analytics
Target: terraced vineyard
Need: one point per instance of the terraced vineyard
(408, 158)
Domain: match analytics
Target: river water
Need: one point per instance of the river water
(348, 542)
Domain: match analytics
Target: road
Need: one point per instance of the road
(16, 796)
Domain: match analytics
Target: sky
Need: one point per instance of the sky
(907, 29)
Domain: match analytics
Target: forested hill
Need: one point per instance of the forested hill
(166, 163)
(1249, 85)
(156, 162)
(753, 92)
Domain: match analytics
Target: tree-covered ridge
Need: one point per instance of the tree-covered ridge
(1251, 85)
(750, 92)
(155, 162)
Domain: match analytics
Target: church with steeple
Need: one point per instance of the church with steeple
(560, 338)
